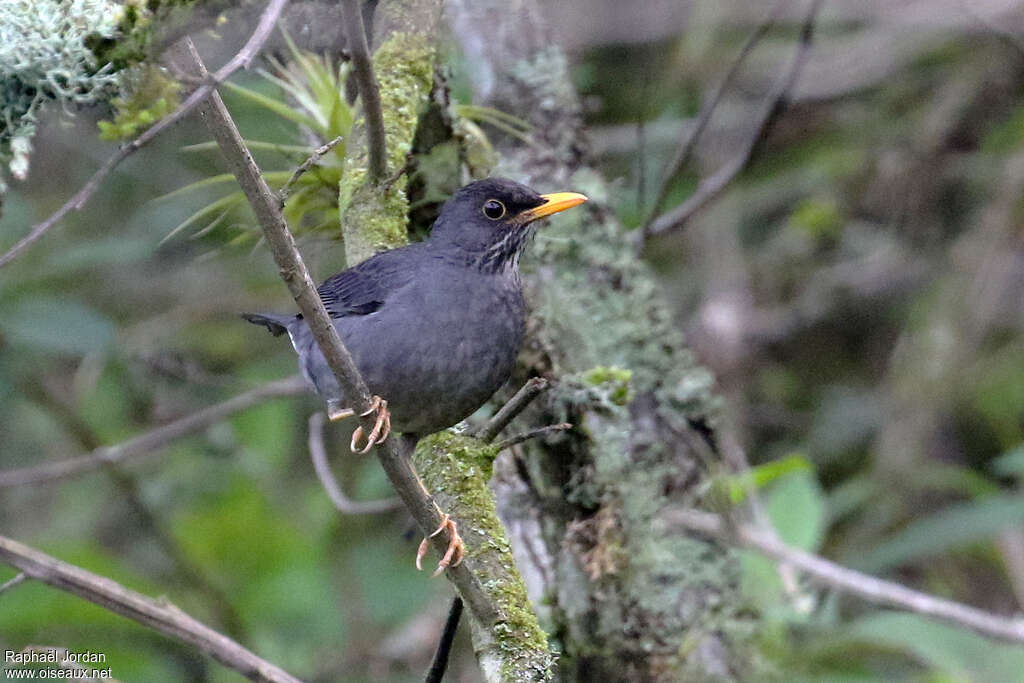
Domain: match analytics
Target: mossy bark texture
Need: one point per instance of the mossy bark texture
(404, 52)
(628, 596)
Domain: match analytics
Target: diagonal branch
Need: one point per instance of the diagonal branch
(869, 588)
(296, 276)
(532, 434)
(689, 142)
(160, 616)
(515, 405)
(774, 105)
(244, 57)
(369, 92)
(152, 441)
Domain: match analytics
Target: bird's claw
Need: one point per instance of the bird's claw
(335, 412)
(381, 428)
(456, 548)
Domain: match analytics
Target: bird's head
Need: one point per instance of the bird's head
(492, 220)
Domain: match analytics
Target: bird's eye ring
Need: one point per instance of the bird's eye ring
(494, 209)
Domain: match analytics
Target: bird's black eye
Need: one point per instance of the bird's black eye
(494, 209)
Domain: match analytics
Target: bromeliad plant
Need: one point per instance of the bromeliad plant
(318, 108)
(316, 86)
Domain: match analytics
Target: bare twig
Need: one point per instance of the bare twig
(318, 453)
(244, 57)
(689, 142)
(869, 588)
(774, 105)
(529, 391)
(12, 582)
(160, 616)
(444, 646)
(362, 72)
(532, 434)
(152, 441)
(315, 157)
(296, 276)
(402, 170)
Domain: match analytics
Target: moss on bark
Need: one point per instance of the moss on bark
(455, 469)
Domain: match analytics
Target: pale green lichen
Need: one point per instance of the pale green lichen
(152, 96)
(371, 218)
(456, 469)
(44, 58)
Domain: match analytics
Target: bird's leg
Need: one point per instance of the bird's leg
(381, 428)
(456, 548)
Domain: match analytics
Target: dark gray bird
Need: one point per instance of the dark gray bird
(434, 327)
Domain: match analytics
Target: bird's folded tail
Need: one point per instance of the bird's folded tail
(277, 324)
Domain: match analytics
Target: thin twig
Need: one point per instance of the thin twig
(318, 453)
(305, 166)
(532, 434)
(444, 646)
(244, 57)
(869, 588)
(774, 105)
(12, 582)
(402, 170)
(396, 464)
(152, 441)
(529, 391)
(362, 72)
(159, 616)
(689, 142)
(734, 455)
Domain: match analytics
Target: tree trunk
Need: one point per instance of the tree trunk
(624, 595)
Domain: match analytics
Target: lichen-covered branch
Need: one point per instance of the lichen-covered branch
(374, 219)
(456, 469)
(583, 509)
(244, 57)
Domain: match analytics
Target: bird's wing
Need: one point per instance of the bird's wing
(365, 287)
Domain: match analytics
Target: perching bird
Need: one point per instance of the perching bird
(434, 327)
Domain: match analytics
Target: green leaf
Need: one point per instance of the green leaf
(261, 145)
(760, 476)
(218, 179)
(947, 650)
(223, 204)
(278, 107)
(955, 527)
(797, 509)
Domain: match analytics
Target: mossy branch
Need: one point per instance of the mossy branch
(373, 219)
(456, 469)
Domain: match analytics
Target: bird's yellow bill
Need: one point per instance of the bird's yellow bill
(557, 201)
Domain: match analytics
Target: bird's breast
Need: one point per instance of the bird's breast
(440, 349)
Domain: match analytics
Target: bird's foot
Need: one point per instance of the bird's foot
(456, 549)
(381, 428)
